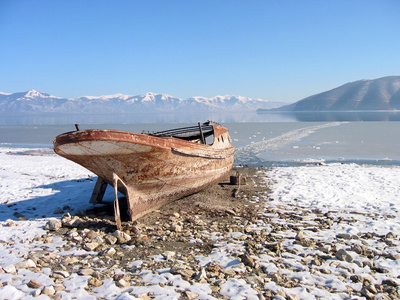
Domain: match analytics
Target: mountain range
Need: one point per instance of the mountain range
(35, 102)
(362, 95)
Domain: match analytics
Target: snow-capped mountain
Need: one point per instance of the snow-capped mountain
(362, 95)
(38, 102)
(31, 101)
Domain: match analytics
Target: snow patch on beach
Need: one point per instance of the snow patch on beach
(36, 185)
(368, 190)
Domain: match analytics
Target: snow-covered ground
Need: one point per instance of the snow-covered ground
(34, 185)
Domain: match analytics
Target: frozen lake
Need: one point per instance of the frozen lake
(261, 143)
(303, 142)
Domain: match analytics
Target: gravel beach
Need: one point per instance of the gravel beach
(226, 242)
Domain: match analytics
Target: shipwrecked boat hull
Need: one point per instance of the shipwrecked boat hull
(149, 170)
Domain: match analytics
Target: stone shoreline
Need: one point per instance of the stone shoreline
(272, 248)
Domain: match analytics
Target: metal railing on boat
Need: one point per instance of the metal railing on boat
(190, 130)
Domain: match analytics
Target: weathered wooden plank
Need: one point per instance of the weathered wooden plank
(98, 191)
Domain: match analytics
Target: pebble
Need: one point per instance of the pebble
(85, 272)
(94, 282)
(29, 263)
(390, 235)
(247, 260)
(390, 282)
(53, 225)
(122, 283)
(48, 290)
(381, 296)
(34, 284)
(91, 246)
(191, 295)
(201, 276)
(59, 287)
(10, 269)
(122, 237)
(169, 255)
(356, 278)
(91, 234)
(110, 239)
(58, 211)
(108, 252)
(63, 273)
(182, 270)
(343, 255)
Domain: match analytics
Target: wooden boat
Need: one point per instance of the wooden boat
(152, 168)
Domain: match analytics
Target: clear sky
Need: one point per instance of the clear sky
(274, 50)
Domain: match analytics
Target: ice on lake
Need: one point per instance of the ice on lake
(364, 142)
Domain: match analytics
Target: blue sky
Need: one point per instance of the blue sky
(274, 50)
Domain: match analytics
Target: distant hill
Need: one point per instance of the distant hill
(362, 95)
(34, 102)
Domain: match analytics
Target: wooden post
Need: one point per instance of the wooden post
(117, 213)
(203, 141)
(98, 191)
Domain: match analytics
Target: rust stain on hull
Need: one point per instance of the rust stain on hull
(151, 170)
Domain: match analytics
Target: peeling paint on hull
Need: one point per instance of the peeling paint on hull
(151, 170)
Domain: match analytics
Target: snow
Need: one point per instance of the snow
(104, 97)
(369, 191)
(34, 186)
(33, 94)
(36, 94)
(120, 103)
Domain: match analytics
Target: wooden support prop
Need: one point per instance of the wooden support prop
(237, 180)
(117, 213)
(98, 191)
(203, 141)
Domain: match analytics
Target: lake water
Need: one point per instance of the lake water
(190, 117)
(260, 139)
